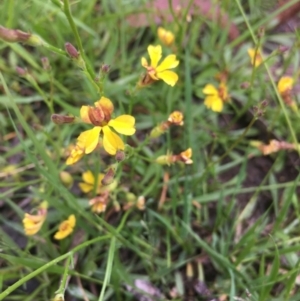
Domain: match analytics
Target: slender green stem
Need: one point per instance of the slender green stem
(43, 268)
(63, 282)
(110, 260)
(55, 49)
(68, 14)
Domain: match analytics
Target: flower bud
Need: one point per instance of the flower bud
(120, 155)
(66, 179)
(130, 197)
(157, 132)
(21, 71)
(35, 40)
(45, 63)
(105, 68)
(283, 48)
(61, 119)
(108, 177)
(71, 50)
(140, 203)
(59, 297)
(164, 159)
(13, 35)
(245, 85)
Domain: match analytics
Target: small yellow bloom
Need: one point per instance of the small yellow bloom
(285, 84)
(257, 57)
(161, 71)
(100, 117)
(186, 156)
(89, 182)
(33, 223)
(215, 97)
(169, 158)
(176, 118)
(166, 37)
(66, 228)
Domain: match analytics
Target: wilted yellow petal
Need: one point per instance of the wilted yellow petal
(123, 124)
(155, 54)
(169, 62)
(209, 89)
(111, 141)
(169, 77)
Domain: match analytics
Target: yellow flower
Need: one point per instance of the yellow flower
(161, 71)
(257, 57)
(169, 158)
(285, 84)
(89, 182)
(215, 97)
(186, 156)
(100, 117)
(33, 223)
(166, 37)
(66, 228)
(176, 118)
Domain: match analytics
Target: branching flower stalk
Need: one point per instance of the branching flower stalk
(88, 71)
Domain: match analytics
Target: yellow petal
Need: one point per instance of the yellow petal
(169, 77)
(88, 177)
(258, 58)
(91, 138)
(285, 83)
(105, 104)
(210, 90)
(168, 63)
(84, 187)
(144, 62)
(84, 114)
(111, 141)
(214, 103)
(155, 54)
(123, 124)
(72, 220)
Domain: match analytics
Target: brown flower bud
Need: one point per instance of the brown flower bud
(105, 68)
(96, 115)
(45, 63)
(120, 156)
(71, 50)
(108, 177)
(21, 71)
(245, 85)
(61, 119)
(13, 35)
(283, 48)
